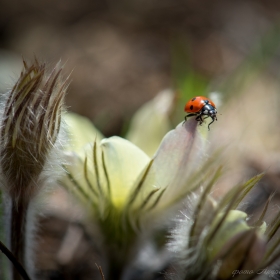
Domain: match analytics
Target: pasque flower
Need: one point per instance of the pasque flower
(29, 137)
(131, 198)
(129, 195)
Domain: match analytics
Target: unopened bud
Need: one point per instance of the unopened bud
(30, 126)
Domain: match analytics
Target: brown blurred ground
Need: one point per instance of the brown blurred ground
(119, 51)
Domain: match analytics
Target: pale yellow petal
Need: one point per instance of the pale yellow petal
(124, 163)
(80, 131)
(151, 122)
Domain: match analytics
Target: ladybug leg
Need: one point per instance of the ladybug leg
(199, 119)
(191, 115)
(213, 119)
(188, 115)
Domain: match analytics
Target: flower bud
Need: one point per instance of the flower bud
(30, 125)
(243, 254)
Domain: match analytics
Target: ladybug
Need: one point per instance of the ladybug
(200, 106)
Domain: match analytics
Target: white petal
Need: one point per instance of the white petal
(181, 153)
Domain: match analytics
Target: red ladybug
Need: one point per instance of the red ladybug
(201, 106)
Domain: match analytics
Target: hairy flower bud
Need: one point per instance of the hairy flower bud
(29, 128)
(243, 252)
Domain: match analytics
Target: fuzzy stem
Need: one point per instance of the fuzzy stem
(17, 231)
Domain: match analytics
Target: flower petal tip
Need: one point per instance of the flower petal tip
(190, 125)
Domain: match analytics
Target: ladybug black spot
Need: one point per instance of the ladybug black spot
(191, 107)
(194, 99)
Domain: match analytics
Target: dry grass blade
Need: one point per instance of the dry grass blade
(106, 174)
(229, 207)
(193, 183)
(137, 189)
(273, 227)
(250, 237)
(78, 187)
(202, 200)
(136, 217)
(269, 260)
(101, 272)
(96, 169)
(259, 222)
(87, 179)
(272, 250)
(160, 194)
(248, 186)
(243, 190)
(148, 198)
(130, 216)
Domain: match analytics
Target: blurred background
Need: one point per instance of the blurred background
(121, 54)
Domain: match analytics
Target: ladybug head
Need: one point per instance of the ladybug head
(209, 110)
